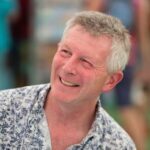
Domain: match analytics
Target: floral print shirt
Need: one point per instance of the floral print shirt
(23, 124)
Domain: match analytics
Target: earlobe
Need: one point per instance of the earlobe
(112, 81)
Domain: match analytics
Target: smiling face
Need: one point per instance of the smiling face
(79, 72)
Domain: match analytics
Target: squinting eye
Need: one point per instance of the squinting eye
(65, 53)
(86, 63)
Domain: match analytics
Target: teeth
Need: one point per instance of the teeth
(68, 83)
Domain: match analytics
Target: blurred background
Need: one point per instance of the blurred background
(30, 31)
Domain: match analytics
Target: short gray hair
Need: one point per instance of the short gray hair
(98, 24)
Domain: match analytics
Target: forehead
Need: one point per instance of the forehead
(77, 38)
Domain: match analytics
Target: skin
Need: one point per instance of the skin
(78, 76)
(81, 62)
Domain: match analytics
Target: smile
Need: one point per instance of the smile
(67, 83)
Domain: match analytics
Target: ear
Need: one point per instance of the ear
(112, 81)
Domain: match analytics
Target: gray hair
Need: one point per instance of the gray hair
(98, 24)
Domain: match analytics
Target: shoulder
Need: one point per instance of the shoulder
(19, 97)
(16, 106)
(18, 102)
(114, 135)
(27, 91)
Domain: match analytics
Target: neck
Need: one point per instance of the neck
(68, 123)
(77, 116)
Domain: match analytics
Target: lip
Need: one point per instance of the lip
(68, 83)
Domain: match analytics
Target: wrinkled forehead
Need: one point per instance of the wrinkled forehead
(82, 42)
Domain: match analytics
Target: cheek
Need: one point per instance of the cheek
(88, 77)
(96, 79)
(55, 65)
(56, 62)
(92, 85)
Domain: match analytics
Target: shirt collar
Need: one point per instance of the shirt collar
(43, 93)
(95, 133)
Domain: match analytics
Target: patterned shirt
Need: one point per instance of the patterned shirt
(23, 124)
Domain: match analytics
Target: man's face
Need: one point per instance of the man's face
(79, 66)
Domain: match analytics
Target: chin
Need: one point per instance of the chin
(63, 97)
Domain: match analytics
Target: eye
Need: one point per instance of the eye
(86, 63)
(65, 53)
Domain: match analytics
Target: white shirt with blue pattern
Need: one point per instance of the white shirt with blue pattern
(23, 124)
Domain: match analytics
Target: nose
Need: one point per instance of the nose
(70, 66)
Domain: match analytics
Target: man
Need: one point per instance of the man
(67, 113)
